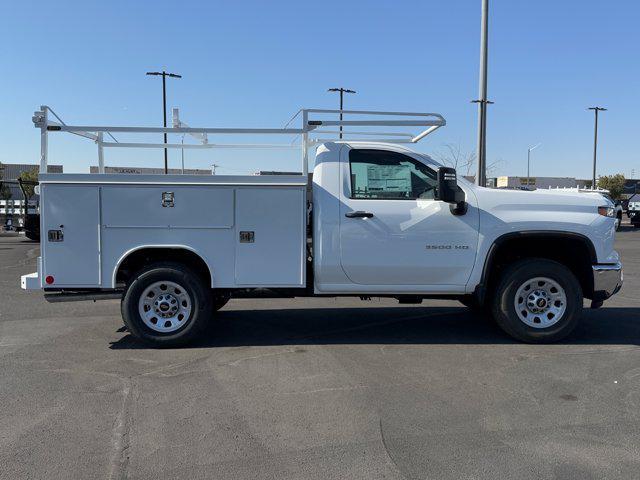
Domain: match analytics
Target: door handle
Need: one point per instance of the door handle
(358, 214)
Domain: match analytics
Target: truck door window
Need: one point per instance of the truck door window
(384, 175)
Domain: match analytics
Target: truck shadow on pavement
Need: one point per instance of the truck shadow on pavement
(390, 325)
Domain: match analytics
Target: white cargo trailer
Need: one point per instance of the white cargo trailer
(377, 219)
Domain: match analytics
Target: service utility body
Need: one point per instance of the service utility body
(373, 219)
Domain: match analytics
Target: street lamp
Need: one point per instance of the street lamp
(342, 92)
(481, 176)
(595, 143)
(529, 160)
(164, 108)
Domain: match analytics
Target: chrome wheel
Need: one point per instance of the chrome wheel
(540, 302)
(164, 306)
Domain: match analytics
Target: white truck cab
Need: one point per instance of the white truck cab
(373, 219)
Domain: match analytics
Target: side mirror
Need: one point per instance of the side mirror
(447, 184)
(449, 191)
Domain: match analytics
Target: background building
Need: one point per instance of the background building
(11, 209)
(150, 171)
(533, 183)
(11, 172)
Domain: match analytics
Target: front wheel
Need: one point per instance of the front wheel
(220, 300)
(538, 301)
(166, 304)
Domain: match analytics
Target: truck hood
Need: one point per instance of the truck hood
(550, 200)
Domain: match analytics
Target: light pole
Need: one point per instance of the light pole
(164, 108)
(529, 160)
(481, 177)
(595, 143)
(342, 92)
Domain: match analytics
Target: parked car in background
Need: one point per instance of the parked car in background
(633, 210)
(617, 208)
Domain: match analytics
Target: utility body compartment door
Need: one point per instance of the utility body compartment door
(270, 236)
(71, 254)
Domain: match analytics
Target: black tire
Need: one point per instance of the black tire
(218, 301)
(618, 222)
(504, 302)
(471, 302)
(194, 286)
(33, 236)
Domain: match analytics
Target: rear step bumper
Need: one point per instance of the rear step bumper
(32, 281)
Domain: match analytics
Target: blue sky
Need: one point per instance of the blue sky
(256, 63)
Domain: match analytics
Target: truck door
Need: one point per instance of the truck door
(393, 232)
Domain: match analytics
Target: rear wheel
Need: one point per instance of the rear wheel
(166, 304)
(538, 301)
(471, 302)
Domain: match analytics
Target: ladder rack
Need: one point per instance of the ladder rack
(312, 131)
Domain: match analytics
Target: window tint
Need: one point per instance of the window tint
(383, 175)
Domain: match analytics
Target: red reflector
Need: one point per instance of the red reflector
(49, 279)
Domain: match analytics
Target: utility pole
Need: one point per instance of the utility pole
(164, 108)
(595, 143)
(342, 92)
(481, 177)
(529, 160)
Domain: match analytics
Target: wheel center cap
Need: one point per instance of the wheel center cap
(164, 307)
(541, 302)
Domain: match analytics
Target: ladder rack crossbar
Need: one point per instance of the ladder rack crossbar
(190, 146)
(240, 131)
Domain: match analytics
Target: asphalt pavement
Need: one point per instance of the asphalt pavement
(315, 389)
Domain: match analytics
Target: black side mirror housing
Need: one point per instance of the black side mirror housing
(447, 184)
(449, 191)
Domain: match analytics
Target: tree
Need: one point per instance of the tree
(613, 183)
(455, 157)
(29, 176)
(463, 162)
(5, 191)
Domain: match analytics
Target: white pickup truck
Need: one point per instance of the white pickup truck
(373, 219)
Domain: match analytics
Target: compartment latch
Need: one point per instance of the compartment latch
(167, 199)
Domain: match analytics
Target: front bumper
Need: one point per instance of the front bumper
(607, 280)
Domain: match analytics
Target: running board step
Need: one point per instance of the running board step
(56, 297)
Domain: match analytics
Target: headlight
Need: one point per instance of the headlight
(606, 211)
